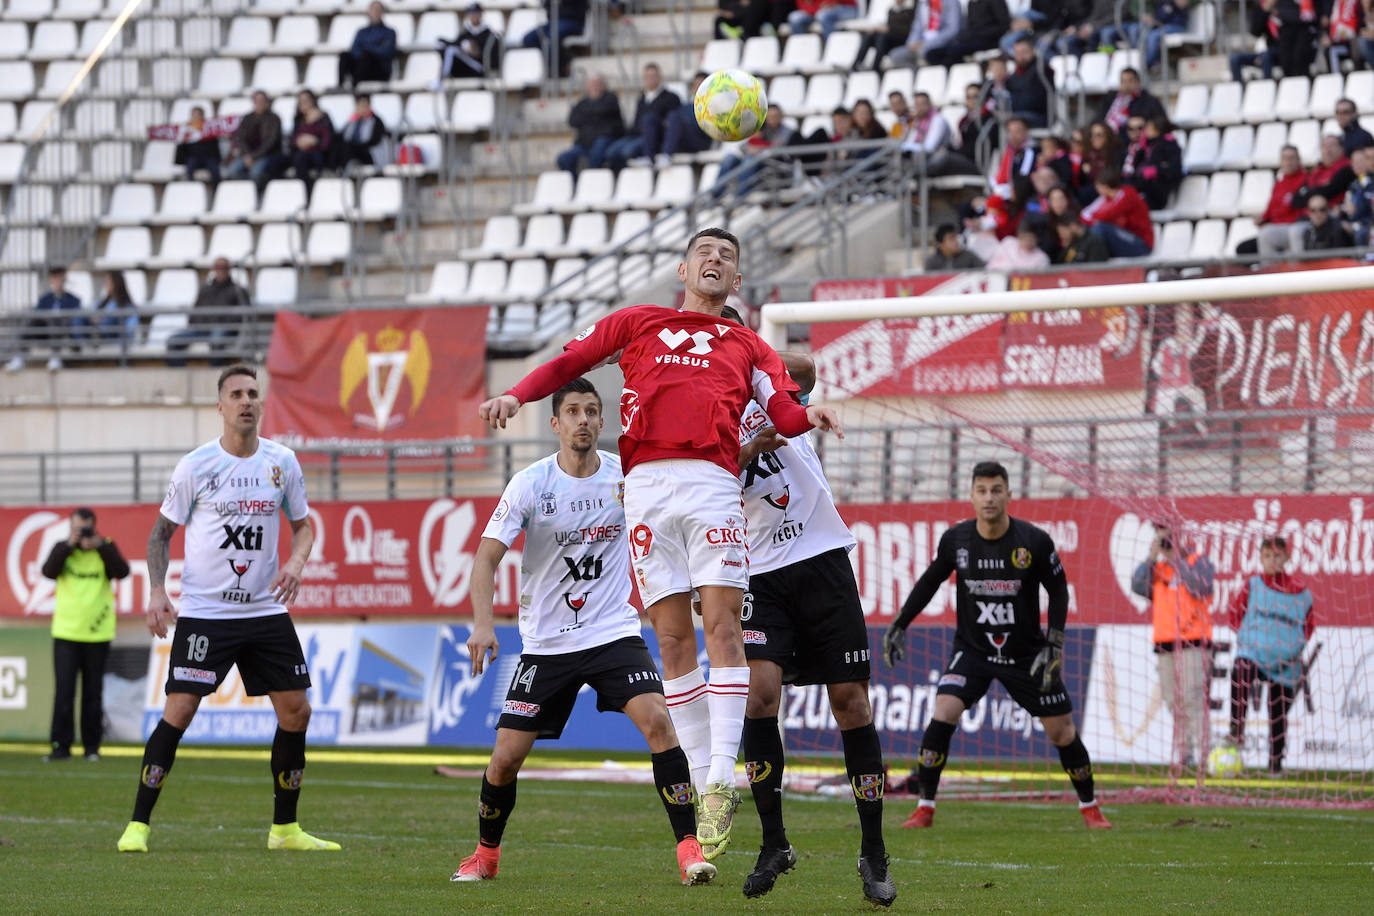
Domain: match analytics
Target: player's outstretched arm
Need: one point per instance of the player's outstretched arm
(482, 644)
(160, 610)
(496, 411)
(825, 419)
(894, 640)
(539, 384)
(287, 583)
(767, 440)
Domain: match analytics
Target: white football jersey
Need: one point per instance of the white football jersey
(231, 508)
(788, 506)
(575, 571)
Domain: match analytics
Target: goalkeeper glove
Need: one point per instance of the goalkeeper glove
(894, 645)
(1051, 658)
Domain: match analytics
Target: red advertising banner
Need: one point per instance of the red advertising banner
(414, 558)
(372, 376)
(1091, 349)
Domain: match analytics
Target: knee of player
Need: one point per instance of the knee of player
(1059, 729)
(849, 703)
(295, 717)
(658, 729)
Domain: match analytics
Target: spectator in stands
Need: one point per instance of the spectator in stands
(116, 315)
(1104, 153)
(1061, 203)
(1054, 155)
(373, 51)
(1085, 21)
(1130, 101)
(219, 292)
(1322, 232)
(979, 115)
(936, 27)
(1156, 163)
(901, 18)
(980, 236)
(652, 110)
(1267, 53)
(841, 131)
(866, 124)
(828, 13)
(361, 138)
(1357, 205)
(773, 135)
(1295, 24)
(1353, 136)
(475, 51)
(1039, 20)
(256, 150)
(1076, 244)
(1028, 84)
(196, 151)
(1343, 24)
(51, 331)
(1365, 40)
(740, 19)
(1018, 156)
(985, 22)
(1329, 177)
(1120, 217)
(312, 135)
(902, 118)
(1279, 226)
(596, 122)
(682, 134)
(949, 253)
(928, 132)
(1020, 252)
(1169, 17)
(572, 20)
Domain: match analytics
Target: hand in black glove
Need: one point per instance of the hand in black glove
(894, 645)
(1051, 658)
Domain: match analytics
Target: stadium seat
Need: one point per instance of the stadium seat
(175, 289)
(960, 76)
(474, 110)
(1174, 242)
(841, 49)
(78, 9)
(282, 199)
(329, 243)
(1327, 89)
(1269, 142)
(1306, 136)
(788, 92)
(1209, 240)
(542, 232)
(141, 114)
(1256, 186)
(1359, 88)
(674, 187)
(567, 271)
(500, 233)
(522, 20)
(220, 78)
(58, 77)
(274, 76)
(898, 79)
(517, 322)
(14, 41)
(553, 318)
(706, 180)
(92, 32)
(200, 37)
(526, 279)
(824, 91)
(342, 29)
(1257, 105)
(1201, 30)
(719, 54)
(162, 327)
(25, 248)
(931, 81)
(593, 187)
(172, 75)
(1190, 107)
(56, 161)
(1223, 195)
(321, 73)
(802, 50)
(181, 246)
(80, 204)
(760, 54)
(154, 38)
(278, 243)
(860, 85)
(237, 105)
(93, 118)
(1121, 59)
(130, 205)
(29, 10)
(275, 286)
(522, 68)
(111, 161)
(331, 199)
(16, 80)
(1092, 72)
(274, 7)
(1237, 147)
(380, 198)
(486, 282)
(180, 111)
(1224, 107)
(1292, 97)
(339, 106)
(432, 26)
(296, 35)
(403, 24)
(551, 190)
(1241, 229)
(631, 227)
(446, 284)
(52, 40)
(1065, 69)
(182, 202)
(228, 240)
(249, 36)
(389, 107)
(159, 162)
(1191, 201)
(587, 234)
(421, 70)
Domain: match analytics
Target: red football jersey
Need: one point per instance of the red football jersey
(688, 378)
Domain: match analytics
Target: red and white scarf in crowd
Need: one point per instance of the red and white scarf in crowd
(934, 8)
(210, 129)
(1345, 20)
(1119, 111)
(918, 129)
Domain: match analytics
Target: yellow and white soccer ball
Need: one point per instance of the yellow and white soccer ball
(730, 105)
(1224, 762)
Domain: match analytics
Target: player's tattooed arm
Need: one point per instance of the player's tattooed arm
(159, 551)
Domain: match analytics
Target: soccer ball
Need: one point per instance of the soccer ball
(1224, 762)
(730, 105)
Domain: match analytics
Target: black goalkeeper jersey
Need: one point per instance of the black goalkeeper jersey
(998, 589)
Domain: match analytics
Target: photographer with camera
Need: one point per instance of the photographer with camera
(1178, 583)
(83, 625)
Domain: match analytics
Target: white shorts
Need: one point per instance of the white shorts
(686, 523)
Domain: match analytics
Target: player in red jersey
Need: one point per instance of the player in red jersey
(688, 377)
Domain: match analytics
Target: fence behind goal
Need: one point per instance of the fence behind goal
(1227, 412)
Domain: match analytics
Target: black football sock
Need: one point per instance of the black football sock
(763, 764)
(1280, 701)
(288, 766)
(493, 810)
(673, 779)
(934, 753)
(1074, 757)
(863, 761)
(158, 755)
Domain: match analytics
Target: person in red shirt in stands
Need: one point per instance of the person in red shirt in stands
(688, 377)
(1281, 225)
(1330, 176)
(1119, 217)
(1018, 157)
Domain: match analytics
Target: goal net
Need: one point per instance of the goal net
(1232, 408)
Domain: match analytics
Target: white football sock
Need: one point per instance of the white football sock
(728, 696)
(691, 715)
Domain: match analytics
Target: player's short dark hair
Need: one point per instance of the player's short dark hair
(989, 469)
(236, 369)
(731, 313)
(576, 386)
(943, 230)
(714, 232)
(1277, 542)
(84, 512)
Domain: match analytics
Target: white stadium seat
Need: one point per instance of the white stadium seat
(181, 246)
(1191, 202)
(719, 54)
(1257, 105)
(1223, 195)
(801, 51)
(296, 35)
(760, 54)
(1269, 141)
(158, 162)
(551, 189)
(500, 233)
(248, 36)
(1327, 89)
(52, 40)
(380, 198)
(542, 232)
(593, 186)
(1237, 147)
(331, 199)
(329, 243)
(1241, 229)
(841, 49)
(282, 199)
(1209, 240)
(1190, 107)
(182, 202)
(130, 205)
(175, 289)
(446, 284)
(1224, 106)
(275, 286)
(278, 243)
(228, 240)
(1256, 186)
(1174, 243)
(1292, 101)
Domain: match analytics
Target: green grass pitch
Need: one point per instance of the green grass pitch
(603, 848)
